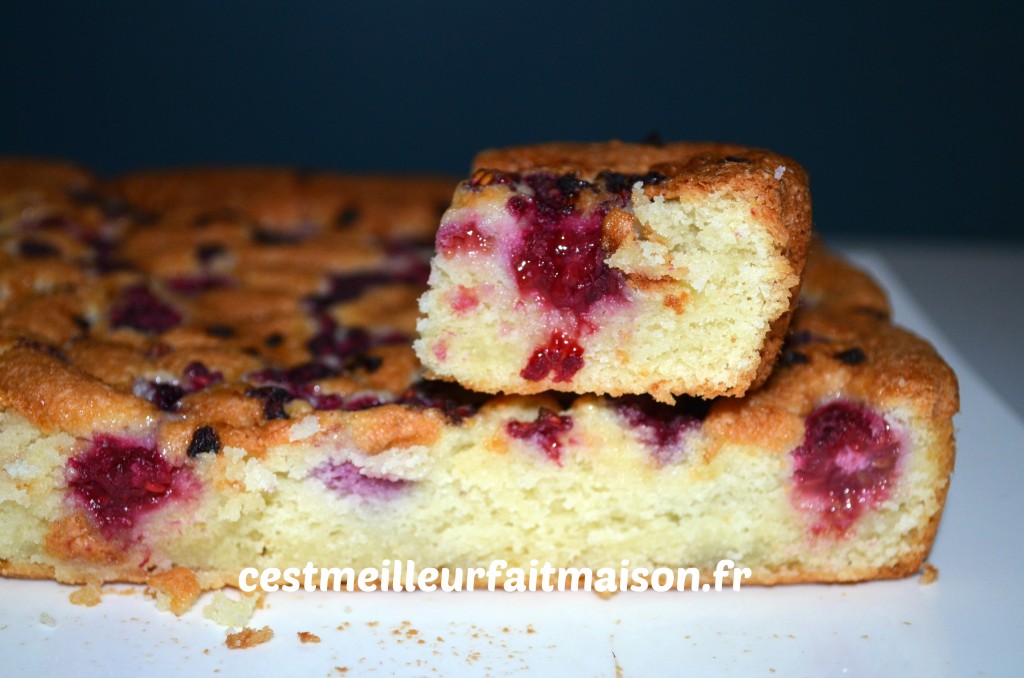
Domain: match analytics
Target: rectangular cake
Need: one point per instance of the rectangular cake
(617, 269)
(206, 371)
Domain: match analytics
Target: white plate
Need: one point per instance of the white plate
(968, 622)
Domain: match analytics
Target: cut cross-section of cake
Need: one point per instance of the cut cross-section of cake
(617, 269)
(282, 418)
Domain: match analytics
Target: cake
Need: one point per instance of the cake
(617, 269)
(205, 371)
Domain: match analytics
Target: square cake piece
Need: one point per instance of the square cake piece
(617, 269)
(225, 379)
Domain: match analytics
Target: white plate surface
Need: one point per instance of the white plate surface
(967, 623)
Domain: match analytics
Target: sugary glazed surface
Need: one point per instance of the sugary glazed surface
(176, 349)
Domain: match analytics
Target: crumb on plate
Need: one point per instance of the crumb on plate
(248, 637)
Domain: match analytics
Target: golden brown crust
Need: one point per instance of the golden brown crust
(65, 368)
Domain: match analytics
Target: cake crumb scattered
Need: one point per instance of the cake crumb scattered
(929, 573)
(307, 637)
(176, 589)
(248, 637)
(228, 611)
(89, 595)
(46, 619)
(341, 669)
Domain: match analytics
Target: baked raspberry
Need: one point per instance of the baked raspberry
(191, 285)
(546, 432)
(846, 465)
(166, 395)
(118, 480)
(345, 478)
(455, 402)
(464, 300)
(562, 355)
(462, 237)
(140, 309)
(334, 345)
(560, 260)
(30, 248)
(662, 428)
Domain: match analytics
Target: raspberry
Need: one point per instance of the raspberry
(846, 465)
(119, 480)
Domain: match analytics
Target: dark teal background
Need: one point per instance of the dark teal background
(905, 114)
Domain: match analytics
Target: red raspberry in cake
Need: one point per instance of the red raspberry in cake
(119, 480)
(663, 428)
(546, 432)
(344, 454)
(617, 269)
(846, 465)
(140, 309)
(347, 479)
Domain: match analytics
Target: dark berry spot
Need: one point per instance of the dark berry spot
(263, 236)
(350, 286)
(207, 252)
(622, 184)
(221, 331)
(164, 395)
(273, 340)
(332, 345)
(204, 440)
(31, 248)
(562, 355)
(82, 323)
(846, 464)
(546, 432)
(851, 356)
(789, 358)
(191, 285)
(803, 338)
(139, 309)
(118, 480)
(569, 185)
(274, 399)
(105, 257)
(367, 363)
(198, 376)
(347, 217)
(346, 479)
(455, 402)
